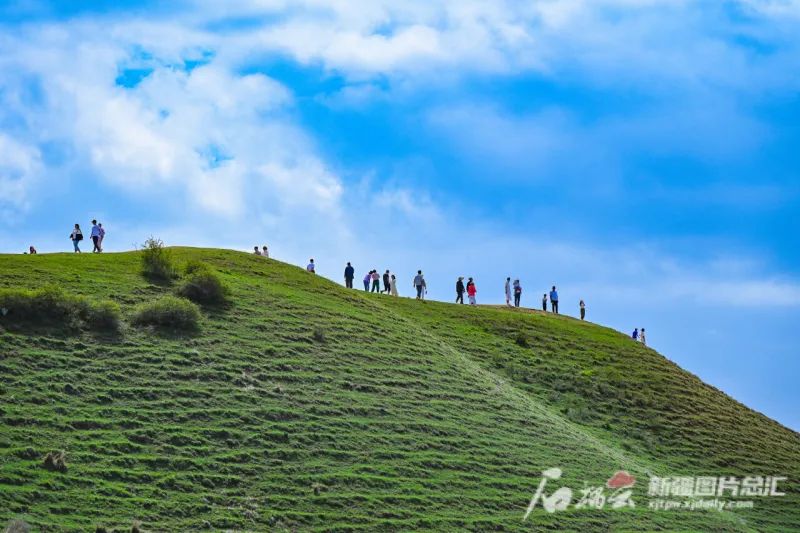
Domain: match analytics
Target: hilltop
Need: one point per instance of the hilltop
(302, 405)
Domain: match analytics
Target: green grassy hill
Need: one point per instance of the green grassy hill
(304, 406)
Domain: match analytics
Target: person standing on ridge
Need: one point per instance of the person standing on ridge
(635, 334)
(554, 300)
(256, 251)
(264, 251)
(517, 292)
(311, 266)
(508, 291)
(420, 285)
(95, 237)
(386, 282)
(376, 281)
(349, 274)
(582, 305)
(32, 250)
(460, 290)
(472, 290)
(642, 338)
(102, 236)
(367, 279)
(76, 237)
(544, 302)
(393, 285)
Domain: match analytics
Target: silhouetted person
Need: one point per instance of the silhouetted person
(544, 302)
(460, 290)
(349, 274)
(387, 281)
(32, 250)
(256, 251)
(583, 309)
(554, 300)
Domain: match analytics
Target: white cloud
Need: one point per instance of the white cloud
(20, 165)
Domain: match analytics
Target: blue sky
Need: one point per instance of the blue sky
(640, 155)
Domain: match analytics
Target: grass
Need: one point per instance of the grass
(304, 406)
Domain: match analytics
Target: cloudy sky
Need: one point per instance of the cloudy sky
(640, 154)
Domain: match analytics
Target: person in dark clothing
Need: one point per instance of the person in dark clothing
(544, 302)
(387, 282)
(582, 306)
(460, 291)
(517, 292)
(349, 274)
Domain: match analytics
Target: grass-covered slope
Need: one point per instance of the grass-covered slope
(304, 406)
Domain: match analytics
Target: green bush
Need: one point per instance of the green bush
(104, 314)
(168, 312)
(52, 306)
(157, 261)
(202, 285)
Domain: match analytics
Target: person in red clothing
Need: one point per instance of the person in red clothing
(471, 291)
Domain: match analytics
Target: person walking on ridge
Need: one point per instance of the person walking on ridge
(517, 292)
(642, 338)
(311, 266)
(386, 282)
(256, 251)
(582, 305)
(420, 285)
(95, 237)
(102, 236)
(393, 285)
(460, 290)
(76, 237)
(544, 302)
(472, 290)
(367, 279)
(376, 281)
(508, 291)
(264, 251)
(635, 334)
(554, 300)
(349, 274)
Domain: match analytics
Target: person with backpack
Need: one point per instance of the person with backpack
(508, 291)
(76, 237)
(376, 281)
(460, 290)
(583, 310)
(554, 300)
(367, 279)
(349, 274)
(95, 237)
(420, 285)
(311, 267)
(386, 282)
(517, 292)
(472, 290)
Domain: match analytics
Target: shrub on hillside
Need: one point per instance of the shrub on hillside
(168, 312)
(157, 260)
(55, 461)
(202, 285)
(52, 306)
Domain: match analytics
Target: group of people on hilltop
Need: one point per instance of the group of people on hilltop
(372, 280)
(97, 235)
(263, 252)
